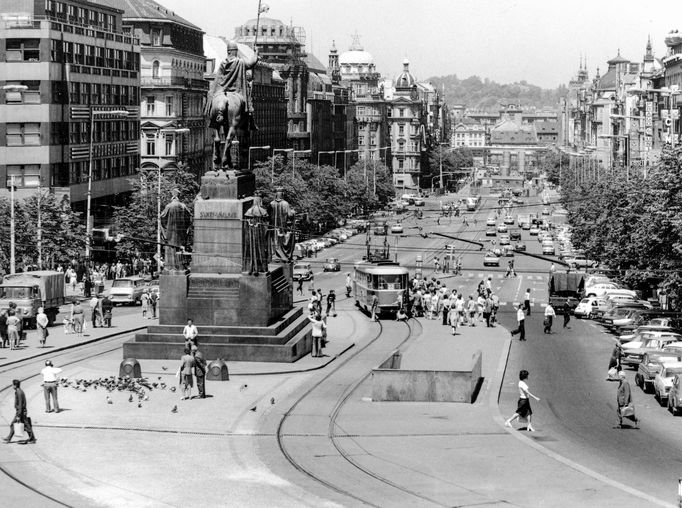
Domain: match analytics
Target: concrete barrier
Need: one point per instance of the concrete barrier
(390, 383)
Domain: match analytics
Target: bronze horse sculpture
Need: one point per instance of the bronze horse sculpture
(228, 116)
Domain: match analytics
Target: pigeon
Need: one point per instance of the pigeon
(109, 401)
(172, 388)
(243, 387)
(146, 397)
(272, 401)
(159, 378)
(164, 368)
(253, 409)
(175, 409)
(140, 404)
(130, 399)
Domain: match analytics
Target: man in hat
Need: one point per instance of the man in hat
(21, 415)
(200, 371)
(50, 375)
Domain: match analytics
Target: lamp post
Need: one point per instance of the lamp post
(374, 165)
(293, 159)
(274, 152)
(266, 147)
(88, 228)
(318, 157)
(345, 154)
(158, 200)
(440, 164)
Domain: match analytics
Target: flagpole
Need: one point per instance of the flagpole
(255, 40)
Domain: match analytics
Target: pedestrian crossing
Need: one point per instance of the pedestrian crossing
(482, 275)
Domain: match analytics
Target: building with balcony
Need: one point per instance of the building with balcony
(69, 101)
(173, 90)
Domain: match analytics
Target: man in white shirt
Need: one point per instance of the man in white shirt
(50, 377)
(41, 322)
(190, 332)
(526, 301)
(549, 318)
(521, 328)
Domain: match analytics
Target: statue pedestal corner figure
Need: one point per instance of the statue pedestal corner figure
(175, 224)
(282, 229)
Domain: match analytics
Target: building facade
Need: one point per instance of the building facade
(173, 89)
(69, 100)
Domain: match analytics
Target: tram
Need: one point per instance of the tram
(387, 280)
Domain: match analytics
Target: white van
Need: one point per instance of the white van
(128, 290)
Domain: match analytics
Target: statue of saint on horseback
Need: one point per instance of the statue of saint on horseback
(228, 105)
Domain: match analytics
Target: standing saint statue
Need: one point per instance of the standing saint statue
(256, 249)
(228, 105)
(282, 237)
(175, 223)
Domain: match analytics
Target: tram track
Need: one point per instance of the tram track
(413, 329)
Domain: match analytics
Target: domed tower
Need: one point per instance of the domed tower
(358, 69)
(405, 81)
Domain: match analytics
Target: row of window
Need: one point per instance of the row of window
(28, 134)
(86, 54)
(103, 94)
(102, 169)
(80, 15)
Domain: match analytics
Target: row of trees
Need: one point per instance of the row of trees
(453, 162)
(632, 222)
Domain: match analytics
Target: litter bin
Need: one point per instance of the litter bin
(130, 367)
(217, 371)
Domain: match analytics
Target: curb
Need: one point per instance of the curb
(493, 404)
(296, 371)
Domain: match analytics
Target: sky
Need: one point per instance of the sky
(540, 41)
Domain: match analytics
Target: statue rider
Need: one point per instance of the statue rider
(230, 77)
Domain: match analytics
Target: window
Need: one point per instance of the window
(156, 37)
(151, 143)
(169, 105)
(19, 134)
(25, 175)
(400, 164)
(31, 95)
(169, 144)
(155, 69)
(401, 112)
(22, 50)
(401, 130)
(151, 105)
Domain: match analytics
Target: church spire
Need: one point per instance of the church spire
(649, 55)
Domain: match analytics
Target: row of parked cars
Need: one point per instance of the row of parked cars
(567, 253)
(309, 247)
(649, 340)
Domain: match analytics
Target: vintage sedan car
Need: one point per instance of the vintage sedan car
(509, 220)
(650, 366)
(397, 228)
(580, 261)
(504, 239)
(520, 246)
(418, 202)
(632, 352)
(534, 231)
(331, 265)
(490, 222)
(675, 395)
(491, 232)
(663, 381)
(548, 250)
(501, 228)
(490, 259)
(302, 271)
(515, 236)
(590, 307)
(545, 211)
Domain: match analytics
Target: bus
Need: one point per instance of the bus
(387, 280)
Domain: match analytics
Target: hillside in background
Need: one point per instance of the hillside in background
(485, 94)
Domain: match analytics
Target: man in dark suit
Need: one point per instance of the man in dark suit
(21, 415)
(200, 372)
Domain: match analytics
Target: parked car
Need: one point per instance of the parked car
(331, 265)
(545, 211)
(534, 231)
(590, 307)
(650, 366)
(580, 261)
(515, 236)
(302, 271)
(520, 246)
(509, 220)
(501, 228)
(504, 239)
(490, 259)
(128, 290)
(397, 228)
(418, 202)
(633, 351)
(490, 222)
(548, 250)
(663, 381)
(491, 232)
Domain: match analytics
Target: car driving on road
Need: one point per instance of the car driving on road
(331, 265)
(490, 259)
(302, 271)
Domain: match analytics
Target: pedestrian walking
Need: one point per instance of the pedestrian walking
(566, 309)
(312, 280)
(299, 288)
(95, 311)
(331, 303)
(21, 415)
(349, 285)
(453, 317)
(523, 409)
(41, 322)
(190, 333)
(549, 318)
(77, 318)
(480, 308)
(200, 372)
(13, 328)
(471, 310)
(626, 409)
(446, 310)
(375, 307)
(107, 311)
(50, 375)
(521, 327)
(145, 303)
(4, 339)
(487, 310)
(436, 264)
(496, 307)
(526, 301)
(185, 373)
(153, 301)
(319, 329)
(552, 269)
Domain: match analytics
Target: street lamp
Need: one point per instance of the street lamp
(318, 157)
(182, 130)
(345, 153)
(266, 147)
(374, 165)
(440, 163)
(284, 150)
(88, 228)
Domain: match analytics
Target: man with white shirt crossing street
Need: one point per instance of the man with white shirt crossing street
(50, 375)
(521, 328)
(549, 318)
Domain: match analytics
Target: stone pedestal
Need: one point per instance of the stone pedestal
(239, 316)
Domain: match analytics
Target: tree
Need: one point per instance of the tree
(553, 163)
(136, 221)
(454, 161)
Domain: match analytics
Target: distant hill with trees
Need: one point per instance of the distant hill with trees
(484, 94)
